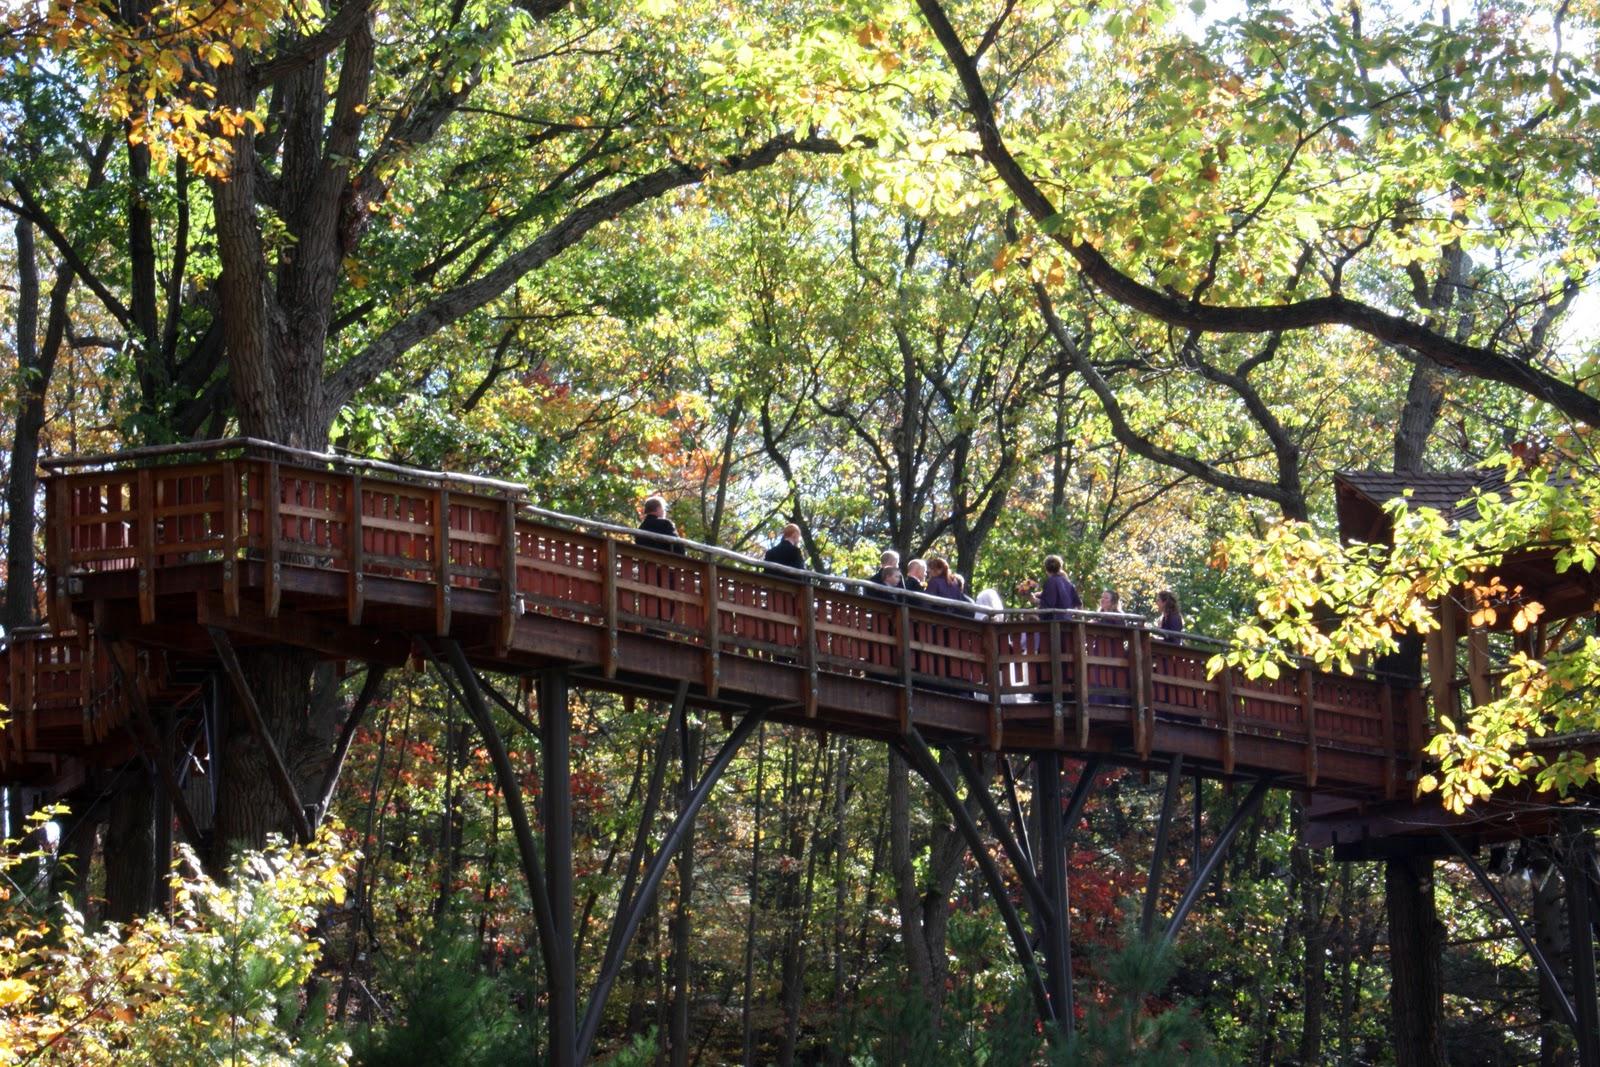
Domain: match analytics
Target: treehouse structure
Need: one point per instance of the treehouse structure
(1463, 660)
(163, 563)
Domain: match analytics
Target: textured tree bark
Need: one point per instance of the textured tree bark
(1415, 939)
(130, 848)
(36, 362)
(303, 723)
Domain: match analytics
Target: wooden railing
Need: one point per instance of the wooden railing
(447, 534)
(59, 693)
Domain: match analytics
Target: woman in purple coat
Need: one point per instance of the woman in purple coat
(940, 582)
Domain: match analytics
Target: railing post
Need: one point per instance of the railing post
(355, 551)
(441, 562)
(712, 629)
(273, 538)
(1308, 706)
(991, 661)
(1386, 712)
(1136, 668)
(1058, 732)
(608, 606)
(508, 576)
(61, 524)
(1080, 679)
(808, 637)
(230, 538)
(904, 626)
(1229, 711)
(145, 520)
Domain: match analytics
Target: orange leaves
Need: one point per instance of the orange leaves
(1488, 600)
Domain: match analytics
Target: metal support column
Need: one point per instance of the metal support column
(1053, 855)
(1541, 963)
(920, 758)
(1158, 856)
(1580, 929)
(1208, 866)
(634, 910)
(555, 728)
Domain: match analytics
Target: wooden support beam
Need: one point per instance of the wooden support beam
(1230, 710)
(1478, 666)
(1058, 683)
(272, 537)
(808, 638)
(508, 578)
(124, 664)
(1147, 683)
(319, 633)
(1080, 679)
(608, 607)
(230, 537)
(1158, 855)
(276, 768)
(555, 731)
(1308, 711)
(1053, 848)
(1441, 648)
(58, 552)
(347, 733)
(712, 632)
(441, 562)
(355, 552)
(145, 534)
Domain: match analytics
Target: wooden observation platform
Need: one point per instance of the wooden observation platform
(160, 562)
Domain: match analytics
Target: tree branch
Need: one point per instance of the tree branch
(455, 303)
(1446, 352)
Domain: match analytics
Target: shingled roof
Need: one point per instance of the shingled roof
(1442, 490)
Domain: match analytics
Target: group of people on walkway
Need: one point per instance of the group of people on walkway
(932, 576)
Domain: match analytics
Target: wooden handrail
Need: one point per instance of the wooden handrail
(300, 514)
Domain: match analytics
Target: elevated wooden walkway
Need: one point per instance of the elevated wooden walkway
(355, 559)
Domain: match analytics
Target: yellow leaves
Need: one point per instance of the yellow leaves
(14, 991)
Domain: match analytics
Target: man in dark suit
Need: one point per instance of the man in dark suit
(890, 560)
(786, 550)
(656, 522)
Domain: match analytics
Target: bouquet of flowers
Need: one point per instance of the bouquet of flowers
(1026, 587)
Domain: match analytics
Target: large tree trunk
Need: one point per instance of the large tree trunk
(303, 726)
(130, 848)
(36, 364)
(1415, 938)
